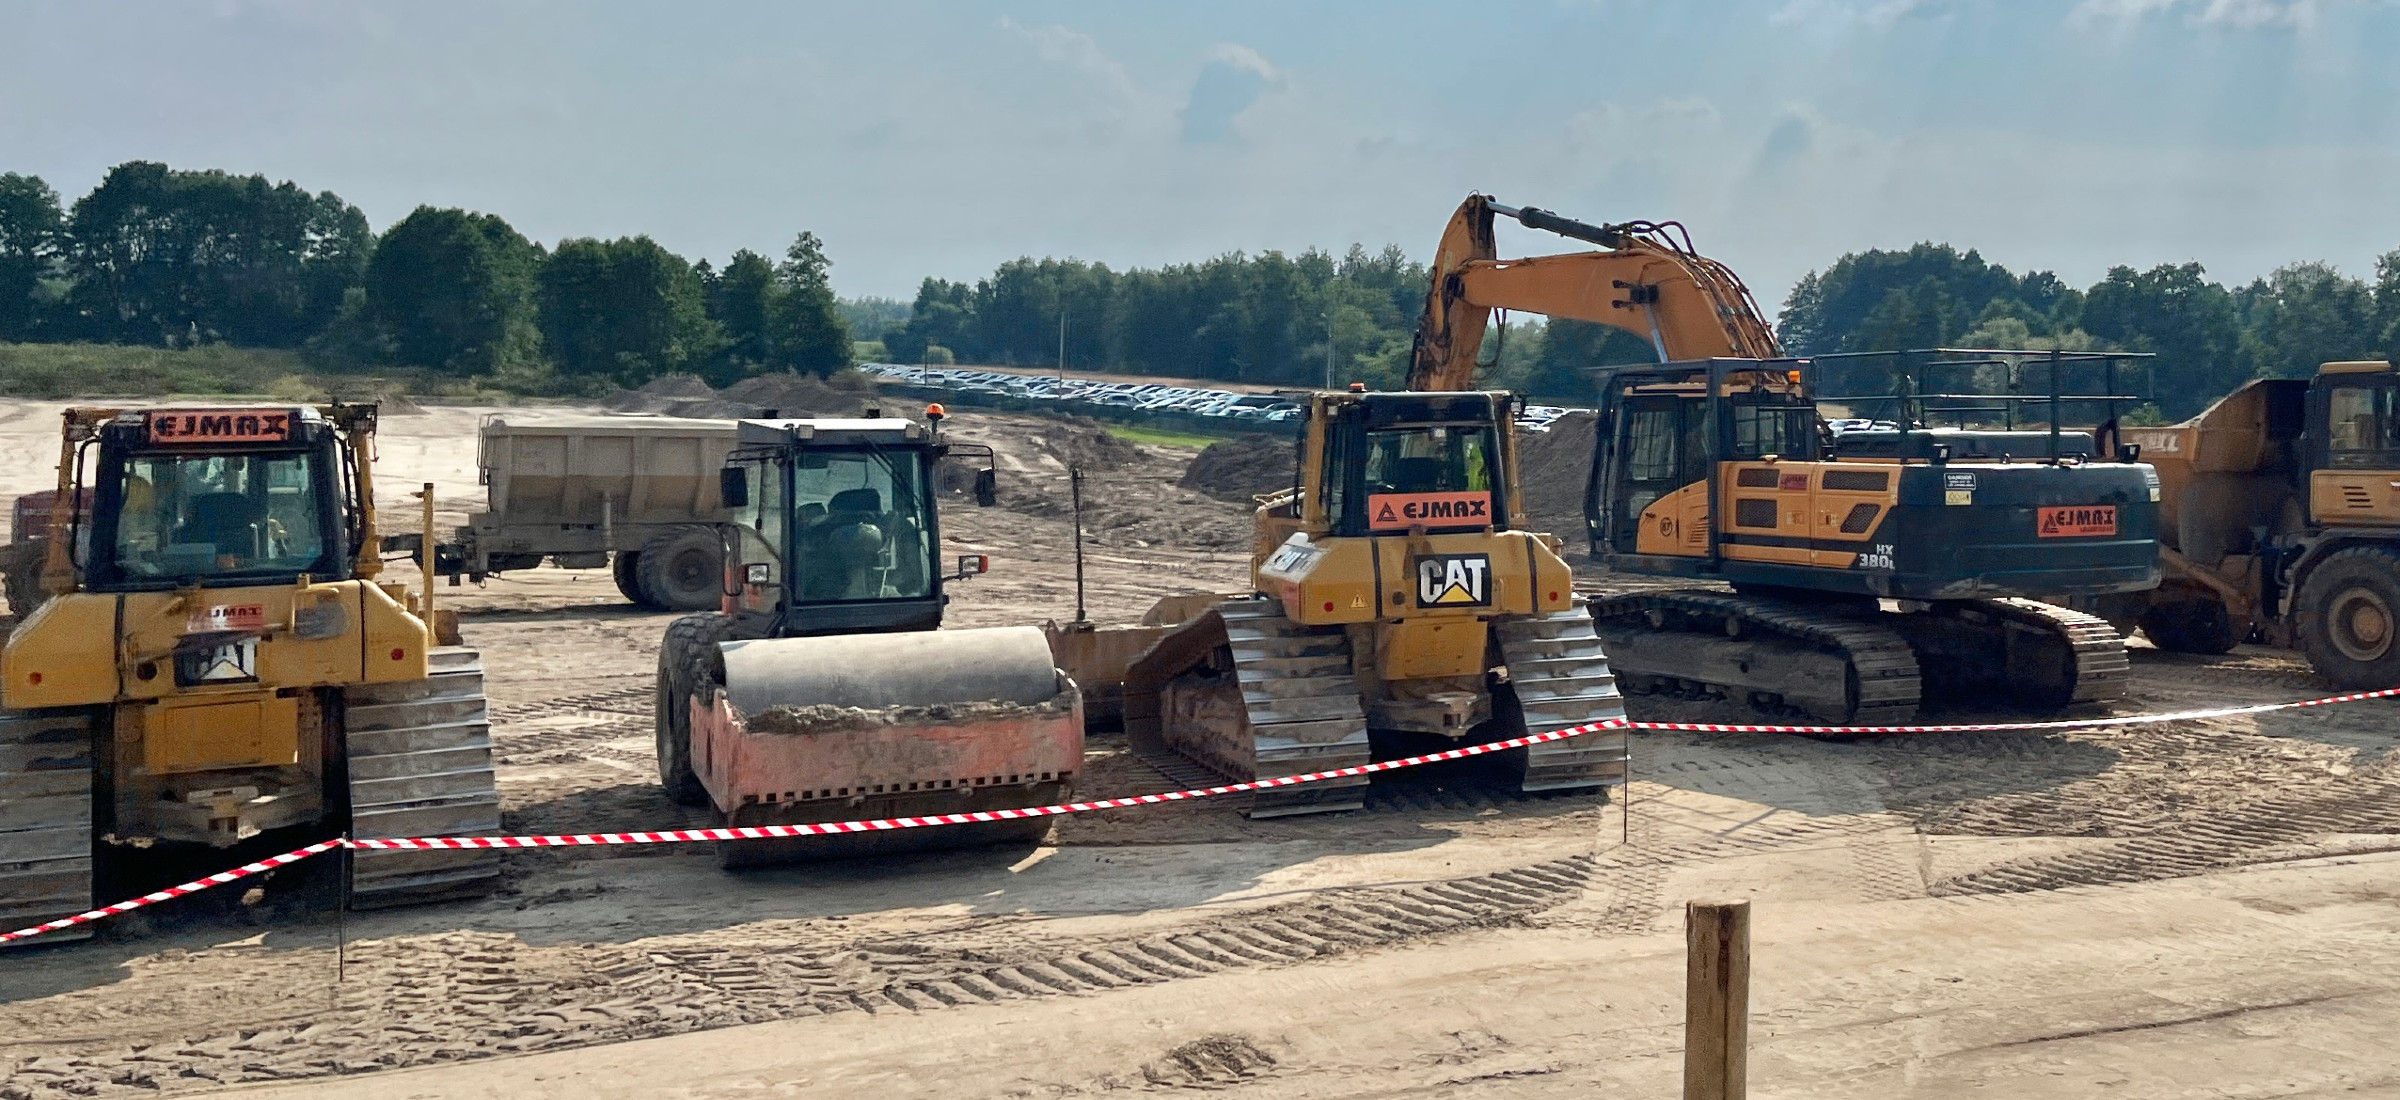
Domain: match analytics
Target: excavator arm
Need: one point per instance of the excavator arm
(1644, 281)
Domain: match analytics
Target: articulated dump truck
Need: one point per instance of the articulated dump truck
(219, 674)
(823, 689)
(2281, 522)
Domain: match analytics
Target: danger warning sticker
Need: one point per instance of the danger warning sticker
(2077, 521)
(1401, 511)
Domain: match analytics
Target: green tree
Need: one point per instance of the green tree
(2190, 323)
(30, 228)
(2304, 314)
(161, 256)
(743, 301)
(623, 311)
(454, 291)
(805, 325)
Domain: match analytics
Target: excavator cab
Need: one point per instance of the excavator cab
(1666, 431)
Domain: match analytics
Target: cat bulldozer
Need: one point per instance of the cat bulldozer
(823, 689)
(2281, 522)
(1398, 606)
(219, 674)
(1862, 567)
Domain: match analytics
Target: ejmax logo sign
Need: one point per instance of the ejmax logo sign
(1454, 580)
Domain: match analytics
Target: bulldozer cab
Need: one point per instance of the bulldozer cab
(835, 526)
(1390, 463)
(186, 497)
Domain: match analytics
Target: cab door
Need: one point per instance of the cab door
(1656, 485)
(2357, 475)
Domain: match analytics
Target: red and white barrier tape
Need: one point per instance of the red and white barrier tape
(193, 887)
(767, 832)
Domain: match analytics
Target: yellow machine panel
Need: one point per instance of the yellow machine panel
(63, 656)
(2338, 497)
(1677, 523)
(1424, 649)
(205, 734)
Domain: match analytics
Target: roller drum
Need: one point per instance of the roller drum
(1010, 664)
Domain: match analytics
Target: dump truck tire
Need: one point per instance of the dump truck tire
(688, 662)
(624, 566)
(682, 570)
(2349, 618)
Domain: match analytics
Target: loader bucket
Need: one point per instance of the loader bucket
(813, 730)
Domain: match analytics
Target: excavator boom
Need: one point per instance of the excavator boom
(1645, 282)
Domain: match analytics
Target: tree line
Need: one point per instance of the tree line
(163, 257)
(2208, 338)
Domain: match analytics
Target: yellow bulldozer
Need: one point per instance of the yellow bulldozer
(219, 674)
(2281, 521)
(1398, 606)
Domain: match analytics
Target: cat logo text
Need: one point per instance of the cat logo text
(1454, 580)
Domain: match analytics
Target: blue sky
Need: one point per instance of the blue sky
(924, 137)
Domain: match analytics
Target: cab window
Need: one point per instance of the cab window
(858, 520)
(2361, 428)
(197, 516)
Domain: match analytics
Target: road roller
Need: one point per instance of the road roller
(823, 688)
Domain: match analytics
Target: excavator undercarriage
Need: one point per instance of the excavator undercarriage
(1847, 662)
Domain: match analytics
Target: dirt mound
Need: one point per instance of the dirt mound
(1552, 468)
(1240, 469)
(1078, 441)
(796, 395)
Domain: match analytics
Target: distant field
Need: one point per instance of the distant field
(73, 370)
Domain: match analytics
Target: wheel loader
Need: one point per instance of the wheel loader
(219, 674)
(823, 689)
(2281, 522)
(1863, 568)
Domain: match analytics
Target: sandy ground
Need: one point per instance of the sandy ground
(2198, 909)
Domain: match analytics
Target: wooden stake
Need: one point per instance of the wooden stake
(1716, 1017)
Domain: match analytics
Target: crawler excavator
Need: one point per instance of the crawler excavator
(1863, 569)
(823, 689)
(219, 675)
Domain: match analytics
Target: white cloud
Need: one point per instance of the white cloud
(1075, 50)
(2235, 14)
(1243, 57)
(1870, 12)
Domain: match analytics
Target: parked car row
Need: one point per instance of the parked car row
(1147, 396)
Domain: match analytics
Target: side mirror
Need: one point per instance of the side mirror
(733, 487)
(2129, 452)
(987, 487)
(971, 565)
